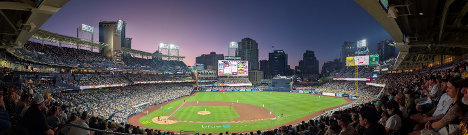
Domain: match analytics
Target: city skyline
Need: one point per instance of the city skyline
(209, 26)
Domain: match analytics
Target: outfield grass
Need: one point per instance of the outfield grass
(218, 114)
(292, 105)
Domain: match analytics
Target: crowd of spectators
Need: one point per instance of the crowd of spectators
(38, 112)
(91, 79)
(64, 55)
(149, 77)
(350, 72)
(233, 80)
(88, 59)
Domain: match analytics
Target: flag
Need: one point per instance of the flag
(367, 49)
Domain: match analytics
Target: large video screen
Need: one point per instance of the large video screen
(233, 68)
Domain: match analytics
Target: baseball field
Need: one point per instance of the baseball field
(214, 112)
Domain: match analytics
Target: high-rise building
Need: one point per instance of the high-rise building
(113, 34)
(264, 66)
(128, 43)
(348, 49)
(248, 51)
(384, 50)
(278, 61)
(210, 61)
(330, 66)
(310, 63)
(255, 76)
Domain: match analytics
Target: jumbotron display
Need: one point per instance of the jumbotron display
(233, 68)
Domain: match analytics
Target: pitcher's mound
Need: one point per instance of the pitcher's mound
(204, 112)
(163, 120)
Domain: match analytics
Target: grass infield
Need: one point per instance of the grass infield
(292, 105)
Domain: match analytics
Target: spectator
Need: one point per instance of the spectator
(454, 114)
(346, 129)
(81, 122)
(368, 118)
(34, 120)
(5, 124)
(394, 122)
(463, 126)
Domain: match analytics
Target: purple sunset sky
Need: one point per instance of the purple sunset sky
(203, 26)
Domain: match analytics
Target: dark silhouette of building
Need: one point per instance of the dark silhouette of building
(384, 50)
(278, 61)
(330, 66)
(128, 43)
(348, 49)
(264, 66)
(210, 61)
(308, 67)
(248, 51)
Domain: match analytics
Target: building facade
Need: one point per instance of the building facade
(113, 34)
(348, 49)
(264, 66)
(248, 51)
(255, 76)
(330, 66)
(278, 61)
(128, 43)
(210, 60)
(384, 50)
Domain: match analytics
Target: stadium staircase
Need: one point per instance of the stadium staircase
(68, 86)
(128, 79)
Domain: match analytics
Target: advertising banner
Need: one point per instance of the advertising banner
(301, 91)
(236, 90)
(254, 89)
(214, 90)
(208, 90)
(345, 95)
(228, 90)
(328, 94)
(350, 61)
(248, 89)
(221, 90)
(338, 94)
(295, 91)
(306, 91)
(242, 90)
(373, 59)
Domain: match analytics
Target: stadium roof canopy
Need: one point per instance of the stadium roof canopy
(55, 37)
(425, 31)
(20, 19)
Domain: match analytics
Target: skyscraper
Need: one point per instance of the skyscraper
(210, 61)
(113, 34)
(128, 43)
(311, 64)
(248, 51)
(278, 61)
(330, 66)
(264, 66)
(384, 50)
(348, 49)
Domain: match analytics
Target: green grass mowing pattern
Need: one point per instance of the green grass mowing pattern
(292, 105)
(218, 114)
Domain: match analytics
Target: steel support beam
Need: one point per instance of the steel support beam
(444, 18)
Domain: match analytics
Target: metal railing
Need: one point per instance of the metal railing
(92, 129)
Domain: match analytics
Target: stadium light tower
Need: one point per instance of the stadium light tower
(85, 29)
(232, 46)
